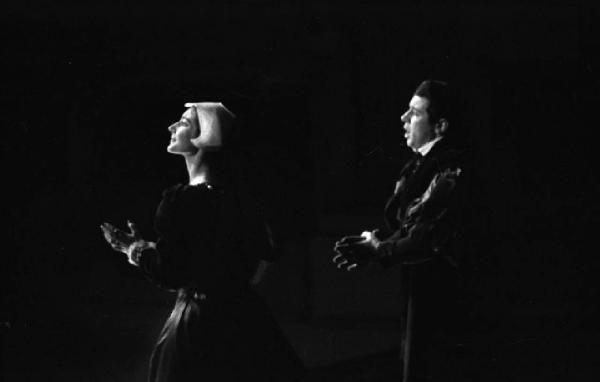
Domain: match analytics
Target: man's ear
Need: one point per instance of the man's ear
(441, 127)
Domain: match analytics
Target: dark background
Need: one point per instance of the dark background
(89, 90)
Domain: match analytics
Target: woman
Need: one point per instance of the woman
(211, 243)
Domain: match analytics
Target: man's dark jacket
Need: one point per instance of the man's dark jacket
(425, 236)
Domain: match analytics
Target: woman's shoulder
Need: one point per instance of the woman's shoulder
(185, 199)
(185, 191)
(173, 191)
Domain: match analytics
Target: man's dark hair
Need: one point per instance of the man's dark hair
(441, 100)
(445, 103)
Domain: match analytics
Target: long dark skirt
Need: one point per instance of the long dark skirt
(230, 339)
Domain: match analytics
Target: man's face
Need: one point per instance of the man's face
(418, 129)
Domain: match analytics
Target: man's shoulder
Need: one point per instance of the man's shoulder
(450, 158)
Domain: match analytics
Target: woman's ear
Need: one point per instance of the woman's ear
(441, 127)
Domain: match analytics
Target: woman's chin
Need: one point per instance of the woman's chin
(172, 149)
(179, 151)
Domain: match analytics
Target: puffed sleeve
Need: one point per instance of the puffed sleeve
(258, 238)
(429, 223)
(165, 265)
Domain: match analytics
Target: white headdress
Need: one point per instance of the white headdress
(215, 122)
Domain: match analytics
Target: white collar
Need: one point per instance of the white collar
(426, 148)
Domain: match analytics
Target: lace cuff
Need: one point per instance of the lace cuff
(135, 251)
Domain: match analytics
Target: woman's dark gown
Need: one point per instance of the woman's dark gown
(210, 243)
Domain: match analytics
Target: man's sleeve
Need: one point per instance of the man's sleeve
(429, 223)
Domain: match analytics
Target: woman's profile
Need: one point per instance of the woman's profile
(211, 241)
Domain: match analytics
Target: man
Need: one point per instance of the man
(423, 236)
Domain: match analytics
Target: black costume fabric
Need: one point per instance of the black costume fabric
(210, 243)
(424, 236)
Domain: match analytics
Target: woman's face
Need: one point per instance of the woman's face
(182, 133)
